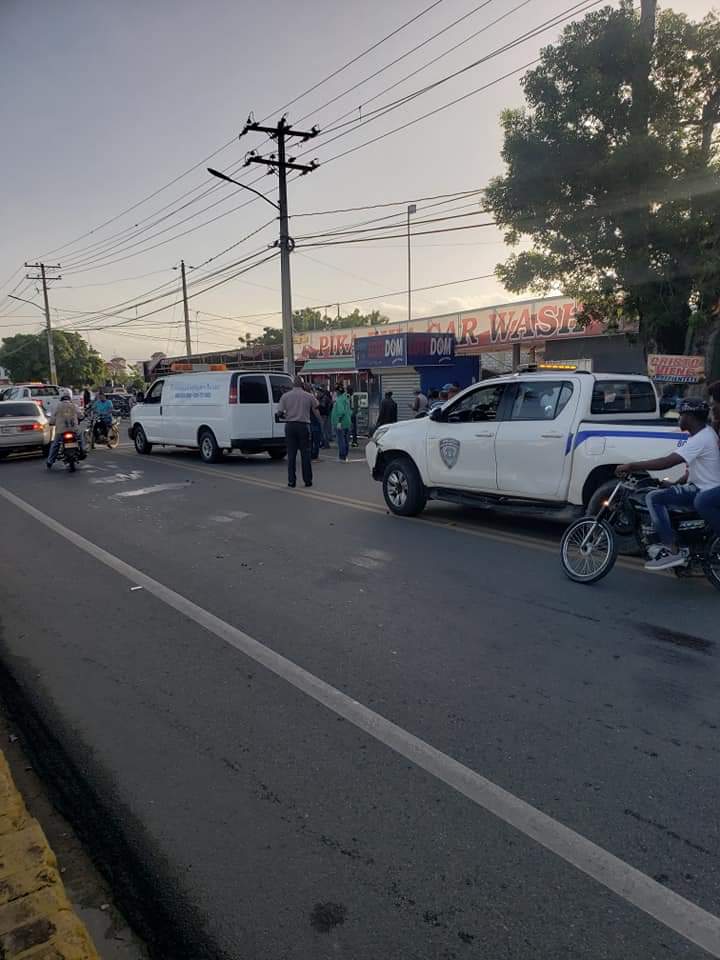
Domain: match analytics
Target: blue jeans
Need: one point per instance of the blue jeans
(342, 439)
(658, 501)
(707, 504)
(55, 446)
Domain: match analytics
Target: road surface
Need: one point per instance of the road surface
(295, 726)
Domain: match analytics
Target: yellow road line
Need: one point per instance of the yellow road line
(534, 543)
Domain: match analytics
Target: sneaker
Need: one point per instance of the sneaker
(667, 560)
(48, 465)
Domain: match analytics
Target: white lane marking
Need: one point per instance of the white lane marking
(230, 517)
(369, 563)
(143, 491)
(669, 908)
(120, 477)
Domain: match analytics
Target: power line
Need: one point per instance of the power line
(389, 203)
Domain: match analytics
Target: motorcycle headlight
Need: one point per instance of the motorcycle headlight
(379, 434)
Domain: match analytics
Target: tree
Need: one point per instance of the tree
(26, 357)
(613, 173)
(309, 319)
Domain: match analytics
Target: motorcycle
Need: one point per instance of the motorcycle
(69, 452)
(588, 549)
(95, 432)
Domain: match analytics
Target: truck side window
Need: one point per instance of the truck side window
(481, 404)
(623, 396)
(541, 399)
(253, 388)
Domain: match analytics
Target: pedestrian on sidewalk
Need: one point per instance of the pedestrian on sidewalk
(296, 407)
(325, 402)
(354, 409)
(341, 421)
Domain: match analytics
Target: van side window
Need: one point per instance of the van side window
(280, 385)
(253, 388)
(154, 394)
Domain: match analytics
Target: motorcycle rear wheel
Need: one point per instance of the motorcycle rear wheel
(588, 550)
(711, 563)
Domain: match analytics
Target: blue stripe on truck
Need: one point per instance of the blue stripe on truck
(582, 435)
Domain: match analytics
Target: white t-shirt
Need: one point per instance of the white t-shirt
(702, 455)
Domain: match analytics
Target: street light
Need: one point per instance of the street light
(412, 208)
(224, 176)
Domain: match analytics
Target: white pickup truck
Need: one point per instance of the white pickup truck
(545, 443)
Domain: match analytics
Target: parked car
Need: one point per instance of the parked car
(23, 427)
(534, 443)
(212, 412)
(46, 395)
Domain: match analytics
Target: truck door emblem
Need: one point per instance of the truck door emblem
(449, 451)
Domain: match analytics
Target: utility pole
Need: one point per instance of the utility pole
(280, 133)
(412, 208)
(51, 346)
(188, 341)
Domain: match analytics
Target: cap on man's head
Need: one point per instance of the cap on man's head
(449, 386)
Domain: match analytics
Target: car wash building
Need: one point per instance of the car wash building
(406, 362)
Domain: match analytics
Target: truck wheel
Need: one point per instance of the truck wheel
(210, 452)
(277, 453)
(403, 488)
(141, 441)
(623, 528)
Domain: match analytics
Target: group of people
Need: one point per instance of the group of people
(698, 489)
(313, 416)
(65, 418)
(421, 405)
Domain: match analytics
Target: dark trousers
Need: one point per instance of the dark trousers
(316, 438)
(353, 428)
(298, 440)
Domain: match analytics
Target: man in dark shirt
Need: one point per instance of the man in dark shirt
(388, 410)
(296, 407)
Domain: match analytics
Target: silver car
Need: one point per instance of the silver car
(23, 427)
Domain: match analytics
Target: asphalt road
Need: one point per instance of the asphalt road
(260, 812)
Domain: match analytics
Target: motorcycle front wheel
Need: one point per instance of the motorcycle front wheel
(113, 437)
(711, 563)
(588, 550)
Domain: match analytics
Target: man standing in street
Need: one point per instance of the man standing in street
(420, 404)
(296, 406)
(342, 421)
(325, 401)
(388, 410)
(354, 409)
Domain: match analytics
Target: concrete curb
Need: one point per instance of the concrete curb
(37, 921)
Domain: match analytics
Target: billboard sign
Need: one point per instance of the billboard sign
(528, 322)
(404, 350)
(673, 368)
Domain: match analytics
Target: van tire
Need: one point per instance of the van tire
(142, 445)
(210, 452)
(625, 540)
(403, 489)
(277, 453)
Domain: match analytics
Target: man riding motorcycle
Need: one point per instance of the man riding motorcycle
(64, 418)
(701, 455)
(103, 410)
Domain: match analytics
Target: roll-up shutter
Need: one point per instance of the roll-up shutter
(403, 384)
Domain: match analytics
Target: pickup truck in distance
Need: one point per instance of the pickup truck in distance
(542, 443)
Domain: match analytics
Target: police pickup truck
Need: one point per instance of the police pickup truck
(545, 443)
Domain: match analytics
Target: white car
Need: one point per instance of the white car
(46, 395)
(212, 412)
(545, 443)
(23, 428)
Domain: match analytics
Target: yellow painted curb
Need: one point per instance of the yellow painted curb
(37, 921)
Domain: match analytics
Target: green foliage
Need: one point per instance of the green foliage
(26, 357)
(623, 211)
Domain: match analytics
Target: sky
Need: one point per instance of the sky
(106, 102)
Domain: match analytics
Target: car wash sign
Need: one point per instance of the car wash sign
(404, 350)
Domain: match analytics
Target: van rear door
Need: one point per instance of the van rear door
(280, 383)
(253, 418)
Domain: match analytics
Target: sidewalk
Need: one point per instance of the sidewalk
(37, 921)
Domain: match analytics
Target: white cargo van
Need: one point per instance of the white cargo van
(213, 412)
